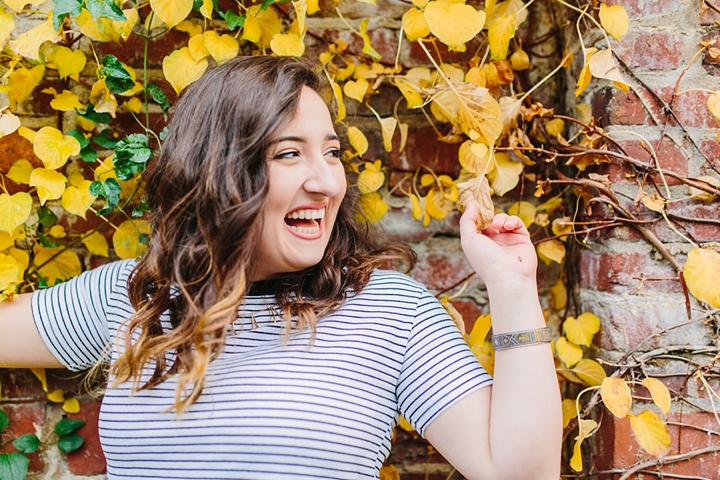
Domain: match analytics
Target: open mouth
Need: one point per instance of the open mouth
(305, 221)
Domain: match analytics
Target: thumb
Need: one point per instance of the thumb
(467, 221)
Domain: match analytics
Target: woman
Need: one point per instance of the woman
(259, 336)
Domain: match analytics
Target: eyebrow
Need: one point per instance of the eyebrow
(328, 137)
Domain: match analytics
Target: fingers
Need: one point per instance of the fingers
(467, 221)
(504, 223)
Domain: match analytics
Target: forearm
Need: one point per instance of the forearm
(526, 415)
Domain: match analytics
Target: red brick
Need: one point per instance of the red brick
(708, 16)
(625, 272)
(701, 232)
(24, 419)
(651, 51)
(692, 110)
(439, 271)
(423, 148)
(613, 107)
(419, 57)
(647, 8)
(131, 50)
(711, 149)
(669, 156)
(469, 311)
(20, 384)
(89, 459)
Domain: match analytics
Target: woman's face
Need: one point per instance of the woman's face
(306, 186)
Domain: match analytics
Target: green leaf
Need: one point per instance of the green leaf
(4, 420)
(78, 135)
(89, 154)
(105, 8)
(27, 443)
(46, 217)
(131, 155)
(117, 79)
(70, 442)
(94, 116)
(45, 241)
(197, 4)
(68, 425)
(159, 96)
(110, 189)
(216, 8)
(164, 133)
(106, 139)
(13, 466)
(234, 20)
(64, 7)
(140, 209)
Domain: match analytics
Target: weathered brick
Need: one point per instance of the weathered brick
(24, 418)
(613, 107)
(647, 8)
(441, 270)
(711, 149)
(669, 156)
(625, 272)
(422, 148)
(651, 50)
(131, 50)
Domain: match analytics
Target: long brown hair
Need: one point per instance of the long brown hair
(207, 191)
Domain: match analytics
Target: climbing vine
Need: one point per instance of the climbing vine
(74, 188)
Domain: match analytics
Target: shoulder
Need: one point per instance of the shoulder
(390, 282)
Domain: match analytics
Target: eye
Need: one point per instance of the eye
(335, 153)
(286, 154)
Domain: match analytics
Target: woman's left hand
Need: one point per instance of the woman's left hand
(502, 253)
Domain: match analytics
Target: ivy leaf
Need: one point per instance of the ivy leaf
(140, 209)
(27, 443)
(93, 116)
(4, 420)
(234, 20)
(67, 425)
(89, 154)
(568, 352)
(118, 80)
(78, 135)
(46, 217)
(110, 189)
(70, 442)
(500, 31)
(106, 139)
(64, 7)
(131, 155)
(105, 8)
(16, 209)
(615, 20)
(157, 94)
(590, 372)
(128, 238)
(13, 466)
(45, 241)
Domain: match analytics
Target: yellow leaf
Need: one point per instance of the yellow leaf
(480, 330)
(15, 210)
(373, 206)
(389, 472)
(313, 6)
(651, 433)
(171, 12)
(405, 425)
(485, 354)
(50, 184)
(500, 31)
(508, 7)
(98, 29)
(102, 98)
(456, 74)
(134, 104)
(64, 265)
(96, 244)
(197, 47)
(585, 75)
(615, 20)
(56, 396)
(551, 251)
(585, 429)
(7, 25)
(123, 28)
(337, 93)
(505, 174)
(420, 3)
(562, 226)
(21, 257)
(40, 374)
(22, 82)
(415, 207)
(583, 329)
(206, 9)
(702, 195)
(602, 65)
(387, 125)
(301, 8)
(54, 148)
(568, 352)
(555, 127)
(357, 140)
(126, 238)
(659, 393)
(701, 272)
(590, 372)
(404, 130)
(71, 405)
(356, 89)
(180, 69)
(287, 45)
(477, 190)
(370, 180)
(713, 103)
(28, 44)
(268, 22)
(8, 123)
(477, 113)
(654, 203)
(57, 231)
(454, 314)
(475, 157)
(414, 24)
(222, 48)
(568, 410)
(68, 61)
(78, 200)
(7, 240)
(437, 206)
(558, 294)
(412, 95)
(616, 396)
(251, 29)
(524, 210)
(584, 111)
(66, 101)
(520, 60)
(367, 45)
(9, 271)
(427, 179)
(453, 24)
(18, 5)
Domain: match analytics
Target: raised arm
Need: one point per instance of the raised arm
(512, 430)
(20, 343)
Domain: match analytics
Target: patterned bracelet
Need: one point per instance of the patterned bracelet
(520, 339)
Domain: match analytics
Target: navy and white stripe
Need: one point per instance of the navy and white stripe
(272, 409)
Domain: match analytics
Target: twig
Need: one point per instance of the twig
(671, 459)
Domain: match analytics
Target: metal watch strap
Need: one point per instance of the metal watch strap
(522, 338)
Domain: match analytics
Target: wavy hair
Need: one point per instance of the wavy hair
(206, 192)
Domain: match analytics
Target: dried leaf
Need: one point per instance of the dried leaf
(454, 314)
(615, 20)
(602, 65)
(477, 190)
(616, 396)
(659, 393)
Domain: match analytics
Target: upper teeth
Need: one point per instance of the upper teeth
(307, 214)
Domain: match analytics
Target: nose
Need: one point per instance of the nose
(325, 177)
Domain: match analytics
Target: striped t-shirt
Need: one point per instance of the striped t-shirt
(271, 409)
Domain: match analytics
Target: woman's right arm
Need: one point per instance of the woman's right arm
(21, 345)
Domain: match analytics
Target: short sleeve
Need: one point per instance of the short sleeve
(72, 317)
(438, 367)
